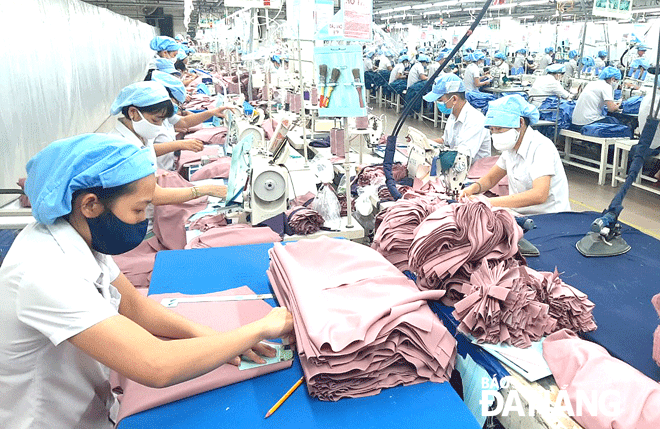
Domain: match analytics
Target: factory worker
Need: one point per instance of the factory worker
(596, 95)
(69, 315)
(472, 75)
(644, 113)
(520, 60)
(599, 62)
(537, 181)
(641, 51)
(638, 71)
(165, 47)
(464, 130)
(386, 60)
(435, 65)
(549, 84)
(418, 71)
(368, 61)
(145, 106)
(275, 62)
(587, 62)
(499, 60)
(546, 59)
(570, 67)
(166, 66)
(399, 70)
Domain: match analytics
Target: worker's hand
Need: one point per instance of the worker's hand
(219, 191)
(188, 98)
(277, 324)
(469, 191)
(192, 144)
(255, 354)
(439, 140)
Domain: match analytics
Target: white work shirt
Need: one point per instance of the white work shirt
(571, 67)
(415, 72)
(536, 157)
(53, 287)
(599, 63)
(519, 61)
(544, 62)
(467, 133)
(504, 68)
(644, 111)
(433, 67)
(167, 161)
(399, 68)
(123, 131)
(589, 106)
(547, 85)
(471, 71)
(368, 64)
(384, 63)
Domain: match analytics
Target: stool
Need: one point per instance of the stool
(601, 166)
(620, 166)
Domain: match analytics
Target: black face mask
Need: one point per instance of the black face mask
(111, 236)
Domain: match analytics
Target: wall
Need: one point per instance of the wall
(64, 62)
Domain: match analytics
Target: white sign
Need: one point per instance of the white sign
(621, 9)
(268, 4)
(357, 19)
(336, 29)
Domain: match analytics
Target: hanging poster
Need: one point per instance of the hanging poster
(340, 72)
(621, 9)
(357, 19)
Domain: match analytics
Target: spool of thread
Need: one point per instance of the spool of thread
(306, 95)
(337, 142)
(362, 122)
(296, 103)
(315, 96)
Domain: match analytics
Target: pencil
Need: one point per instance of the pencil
(284, 398)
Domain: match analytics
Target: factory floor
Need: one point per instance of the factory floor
(641, 208)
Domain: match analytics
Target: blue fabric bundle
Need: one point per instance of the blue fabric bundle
(598, 129)
(479, 100)
(412, 92)
(631, 105)
(399, 86)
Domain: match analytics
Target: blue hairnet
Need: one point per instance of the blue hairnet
(370, 54)
(421, 50)
(609, 72)
(276, 58)
(441, 56)
(165, 65)
(178, 37)
(389, 53)
(602, 54)
(506, 112)
(81, 162)
(640, 62)
(555, 68)
(478, 55)
(403, 58)
(572, 54)
(403, 51)
(170, 82)
(588, 61)
(521, 51)
(164, 43)
(181, 55)
(189, 51)
(445, 84)
(500, 55)
(423, 59)
(642, 48)
(549, 49)
(139, 94)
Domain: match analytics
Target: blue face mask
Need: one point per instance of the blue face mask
(111, 236)
(176, 108)
(442, 108)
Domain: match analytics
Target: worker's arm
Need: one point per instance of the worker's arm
(164, 196)
(423, 76)
(612, 106)
(187, 144)
(494, 175)
(479, 83)
(190, 121)
(537, 195)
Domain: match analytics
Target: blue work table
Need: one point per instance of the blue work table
(245, 404)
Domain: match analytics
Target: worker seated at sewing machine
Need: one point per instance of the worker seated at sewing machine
(549, 85)
(596, 95)
(464, 130)
(638, 74)
(537, 181)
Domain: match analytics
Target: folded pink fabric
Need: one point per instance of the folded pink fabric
(302, 200)
(269, 126)
(482, 166)
(234, 235)
(586, 370)
(138, 264)
(170, 219)
(200, 101)
(656, 335)
(218, 169)
(221, 316)
(374, 174)
(303, 220)
(189, 157)
(210, 135)
(362, 325)
(207, 222)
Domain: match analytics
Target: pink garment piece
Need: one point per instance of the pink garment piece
(301, 200)
(586, 370)
(23, 200)
(303, 220)
(234, 235)
(482, 166)
(218, 169)
(200, 101)
(138, 264)
(269, 126)
(361, 326)
(374, 174)
(210, 135)
(207, 222)
(221, 316)
(170, 219)
(656, 335)
(188, 157)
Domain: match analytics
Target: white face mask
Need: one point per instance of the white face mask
(614, 84)
(146, 129)
(506, 140)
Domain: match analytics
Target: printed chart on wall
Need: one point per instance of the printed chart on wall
(357, 19)
(621, 9)
(341, 81)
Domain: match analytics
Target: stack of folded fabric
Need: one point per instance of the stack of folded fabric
(303, 220)
(234, 235)
(460, 234)
(374, 174)
(361, 326)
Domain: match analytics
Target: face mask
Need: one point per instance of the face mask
(614, 85)
(506, 140)
(111, 236)
(176, 108)
(172, 60)
(146, 129)
(498, 62)
(442, 108)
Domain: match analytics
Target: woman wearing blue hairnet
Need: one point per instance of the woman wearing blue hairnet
(596, 95)
(537, 181)
(166, 48)
(69, 315)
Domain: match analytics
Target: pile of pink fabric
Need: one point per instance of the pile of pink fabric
(138, 264)
(458, 234)
(200, 101)
(207, 222)
(217, 169)
(209, 135)
(233, 235)
(189, 158)
(656, 335)
(361, 326)
(481, 167)
(374, 174)
(303, 220)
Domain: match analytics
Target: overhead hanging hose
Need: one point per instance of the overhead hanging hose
(390, 148)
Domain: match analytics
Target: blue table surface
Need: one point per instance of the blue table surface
(620, 286)
(245, 404)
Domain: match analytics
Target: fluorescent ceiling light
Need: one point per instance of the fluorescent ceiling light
(649, 10)
(422, 6)
(447, 3)
(526, 17)
(533, 3)
(385, 11)
(401, 9)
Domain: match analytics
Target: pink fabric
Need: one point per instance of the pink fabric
(374, 174)
(218, 169)
(234, 235)
(362, 325)
(301, 199)
(222, 316)
(138, 264)
(656, 335)
(269, 126)
(210, 135)
(586, 370)
(200, 101)
(170, 219)
(23, 200)
(207, 222)
(304, 220)
(189, 157)
(482, 166)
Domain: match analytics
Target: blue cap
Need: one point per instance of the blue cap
(403, 58)
(441, 56)
(549, 49)
(521, 51)
(370, 54)
(164, 43)
(642, 48)
(640, 62)
(500, 55)
(389, 53)
(555, 68)
(189, 51)
(572, 54)
(423, 59)
(165, 65)
(81, 162)
(445, 84)
(139, 94)
(602, 54)
(588, 61)
(609, 72)
(506, 112)
(478, 55)
(170, 82)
